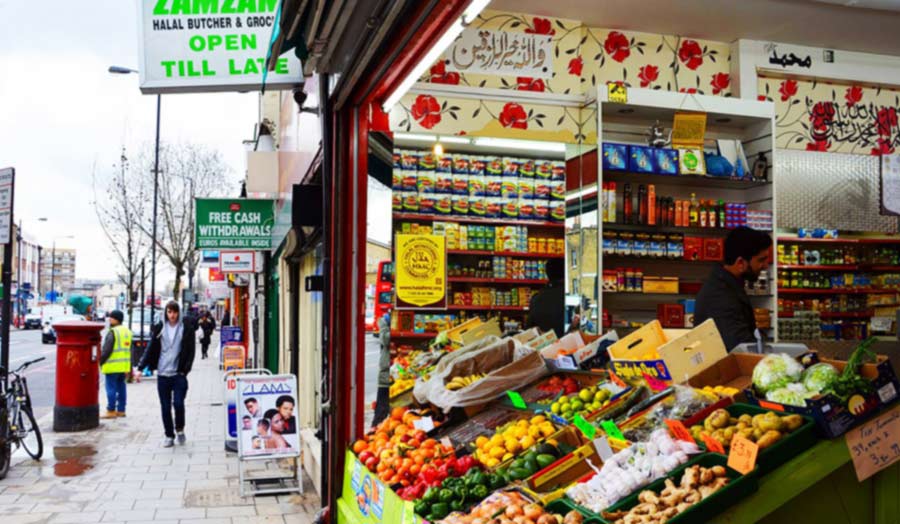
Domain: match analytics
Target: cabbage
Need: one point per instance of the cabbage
(819, 377)
(792, 394)
(775, 371)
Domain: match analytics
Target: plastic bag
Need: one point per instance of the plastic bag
(508, 365)
(445, 363)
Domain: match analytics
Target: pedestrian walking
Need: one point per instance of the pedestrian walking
(207, 326)
(171, 353)
(383, 398)
(115, 363)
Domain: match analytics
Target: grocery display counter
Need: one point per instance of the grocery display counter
(820, 485)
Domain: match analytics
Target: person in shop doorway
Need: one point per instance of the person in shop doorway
(207, 326)
(171, 353)
(226, 318)
(115, 363)
(383, 400)
(547, 308)
(723, 297)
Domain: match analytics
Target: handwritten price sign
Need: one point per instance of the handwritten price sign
(743, 453)
(876, 444)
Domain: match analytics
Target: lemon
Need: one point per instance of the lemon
(520, 432)
(496, 440)
(491, 462)
(527, 441)
(481, 441)
(497, 452)
(534, 432)
(538, 419)
(555, 408)
(547, 430)
(552, 442)
(522, 423)
(506, 457)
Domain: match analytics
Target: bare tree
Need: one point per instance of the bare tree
(186, 171)
(122, 204)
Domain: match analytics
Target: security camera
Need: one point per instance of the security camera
(299, 96)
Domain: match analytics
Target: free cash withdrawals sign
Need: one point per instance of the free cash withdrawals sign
(233, 223)
(421, 271)
(209, 45)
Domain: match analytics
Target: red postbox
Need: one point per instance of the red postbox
(78, 346)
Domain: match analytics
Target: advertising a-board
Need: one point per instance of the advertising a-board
(267, 426)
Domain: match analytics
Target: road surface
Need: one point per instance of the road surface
(24, 346)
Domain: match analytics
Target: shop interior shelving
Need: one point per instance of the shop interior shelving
(751, 122)
(544, 229)
(866, 262)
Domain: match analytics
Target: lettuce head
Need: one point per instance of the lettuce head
(775, 371)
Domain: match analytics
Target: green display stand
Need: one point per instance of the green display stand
(817, 486)
(367, 500)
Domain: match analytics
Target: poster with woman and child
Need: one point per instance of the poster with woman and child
(265, 411)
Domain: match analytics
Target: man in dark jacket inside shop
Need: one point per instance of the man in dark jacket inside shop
(723, 298)
(547, 309)
(171, 353)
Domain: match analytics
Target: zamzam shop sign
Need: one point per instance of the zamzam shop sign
(234, 223)
(421, 271)
(210, 45)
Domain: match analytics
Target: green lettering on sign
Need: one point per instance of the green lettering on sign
(206, 7)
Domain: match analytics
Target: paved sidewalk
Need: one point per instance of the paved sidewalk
(120, 473)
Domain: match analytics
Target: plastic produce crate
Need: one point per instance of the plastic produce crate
(785, 449)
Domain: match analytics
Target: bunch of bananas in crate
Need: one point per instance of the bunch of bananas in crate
(461, 382)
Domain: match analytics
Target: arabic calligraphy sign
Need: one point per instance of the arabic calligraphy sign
(787, 59)
(502, 53)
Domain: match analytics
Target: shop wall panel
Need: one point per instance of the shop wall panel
(833, 117)
(839, 191)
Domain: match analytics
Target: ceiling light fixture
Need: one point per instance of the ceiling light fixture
(508, 143)
(417, 137)
(468, 16)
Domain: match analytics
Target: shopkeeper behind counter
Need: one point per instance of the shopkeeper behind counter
(547, 309)
(723, 297)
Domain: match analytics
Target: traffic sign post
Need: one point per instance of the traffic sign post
(7, 177)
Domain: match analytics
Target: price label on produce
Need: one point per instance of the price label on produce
(743, 453)
(712, 444)
(425, 424)
(876, 444)
(603, 448)
(586, 427)
(679, 431)
(517, 401)
(611, 429)
(654, 383)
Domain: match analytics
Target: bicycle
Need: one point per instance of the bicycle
(17, 424)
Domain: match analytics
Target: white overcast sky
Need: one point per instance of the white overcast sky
(61, 112)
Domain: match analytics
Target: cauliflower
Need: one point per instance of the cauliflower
(819, 377)
(775, 371)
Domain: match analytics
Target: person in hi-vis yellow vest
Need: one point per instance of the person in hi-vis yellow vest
(115, 363)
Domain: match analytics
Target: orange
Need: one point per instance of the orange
(359, 446)
(397, 413)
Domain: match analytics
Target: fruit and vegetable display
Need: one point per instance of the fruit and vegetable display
(531, 462)
(557, 384)
(401, 385)
(512, 439)
(696, 484)
(397, 452)
(630, 469)
(461, 382)
(585, 402)
(782, 379)
(765, 428)
(457, 493)
(722, 391)
(510, 507)
(683, 403)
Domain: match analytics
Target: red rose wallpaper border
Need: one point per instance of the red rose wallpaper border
(833, 117)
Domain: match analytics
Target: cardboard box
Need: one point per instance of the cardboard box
(455, 334)
(491, 327)
(713, 249)
(693, 248)
(682, 353)
(670, 315)
(661, 285)
(834, 417)
(564, 346)
(734, 371)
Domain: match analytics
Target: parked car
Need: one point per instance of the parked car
(32, 321)
(48, 335)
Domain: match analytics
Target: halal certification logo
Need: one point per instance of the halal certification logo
(420, 260)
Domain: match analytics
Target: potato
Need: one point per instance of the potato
(768, 439)
(719, 418)
(742, 425)
(757, 434)
(756, 420)
(792, 422)
(728, 433)
(748, 434)
(746, 419)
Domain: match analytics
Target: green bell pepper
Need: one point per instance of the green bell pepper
(479, 492)
(439, 511)
(431, 496)
(446, 495)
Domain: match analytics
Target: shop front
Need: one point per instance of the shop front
(541, 165)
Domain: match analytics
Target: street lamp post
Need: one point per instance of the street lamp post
(119, 70)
